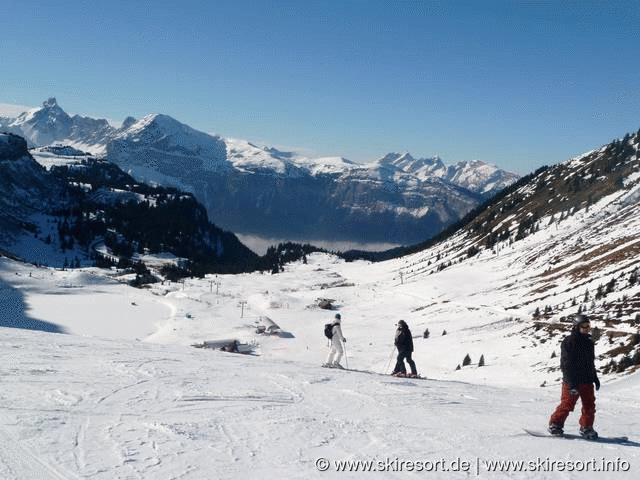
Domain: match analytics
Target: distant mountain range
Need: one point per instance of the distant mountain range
(268, 193)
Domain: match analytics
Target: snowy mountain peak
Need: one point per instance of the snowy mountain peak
(158, 146)
(142, 123)
(397, 158)
(476, 175)
(43, 125)
(414, 165)
(51, 102)
(50, 124)
(127, 123)
(247, 156)
(166, 126)
(49, 111)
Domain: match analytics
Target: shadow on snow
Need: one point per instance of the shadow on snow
(13, 312)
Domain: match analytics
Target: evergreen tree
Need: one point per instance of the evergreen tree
(466, 361)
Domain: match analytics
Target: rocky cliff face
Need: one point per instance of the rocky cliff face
(12, 147)
(24, 187)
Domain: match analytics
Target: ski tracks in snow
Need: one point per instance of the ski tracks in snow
(84, 408)
(20, 461)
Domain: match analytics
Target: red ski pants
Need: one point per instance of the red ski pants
(568, 403)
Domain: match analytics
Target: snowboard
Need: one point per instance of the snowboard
(571, 436)
(408, 375)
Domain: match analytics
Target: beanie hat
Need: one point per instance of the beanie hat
(338, 317)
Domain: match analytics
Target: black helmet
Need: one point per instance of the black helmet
(579, 319)
(338, 316)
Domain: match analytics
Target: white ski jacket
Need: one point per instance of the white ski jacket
(337, 338)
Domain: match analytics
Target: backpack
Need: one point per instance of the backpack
(328, 330)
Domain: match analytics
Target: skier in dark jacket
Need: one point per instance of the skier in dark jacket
(577, 361)
(404, 344)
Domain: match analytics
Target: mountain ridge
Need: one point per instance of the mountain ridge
(31, 123)
(250, 189)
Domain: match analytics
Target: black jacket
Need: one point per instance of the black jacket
(404, 340)
(577, 359)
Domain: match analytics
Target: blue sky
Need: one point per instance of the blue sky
(517, 84)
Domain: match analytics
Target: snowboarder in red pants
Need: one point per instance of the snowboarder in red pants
(577, 361)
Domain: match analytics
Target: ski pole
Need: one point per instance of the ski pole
(389, 362)
(346, 358)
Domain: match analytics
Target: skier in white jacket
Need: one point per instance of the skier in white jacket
(337, 350)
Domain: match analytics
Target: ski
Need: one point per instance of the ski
(337, 367)
(406, 376)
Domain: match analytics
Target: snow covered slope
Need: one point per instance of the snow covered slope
(124, 395)
(146, 411)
